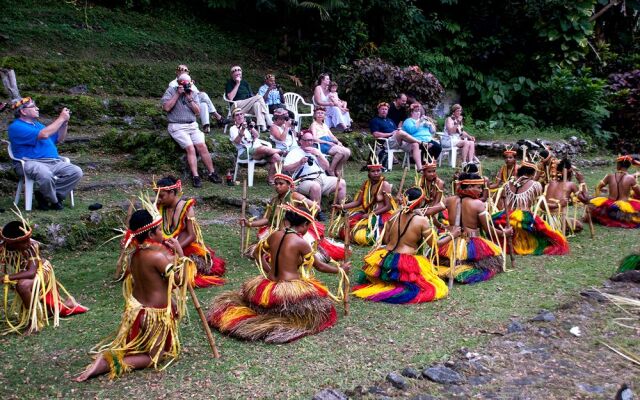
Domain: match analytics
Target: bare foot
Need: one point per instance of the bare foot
(89, 372)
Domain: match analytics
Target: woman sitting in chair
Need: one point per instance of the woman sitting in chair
(453, 126)
(247, 141)
(329, 144)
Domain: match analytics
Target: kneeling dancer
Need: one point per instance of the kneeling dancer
(618, 210)
(37, 294)
(286, 302)
(395, 273)
(179, 222)
(149, 332)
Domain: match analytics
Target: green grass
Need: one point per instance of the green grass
(375, 339)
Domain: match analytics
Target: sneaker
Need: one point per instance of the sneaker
(56, 206)
(206, 128)
(43, 203)
(196, 181)
(213, 177)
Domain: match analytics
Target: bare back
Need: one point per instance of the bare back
(620, 185)
(470, 214)
(559, 191)
(405, 233)
(149, 284)
(287, 251)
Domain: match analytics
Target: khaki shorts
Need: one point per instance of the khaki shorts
(394, 145)
(186, 134)
(327, 185)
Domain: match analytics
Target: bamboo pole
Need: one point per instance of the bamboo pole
(404, 175)
(347, 255)
(203, 319)
(335, 198)
(564, 208)
(243, 228)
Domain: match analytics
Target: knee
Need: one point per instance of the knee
(77, 171)
(24, 285)
(190, 150)
(346, 151)
(275, 158)
(415, 146)
(315, 190)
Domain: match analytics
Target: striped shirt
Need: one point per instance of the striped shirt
(181, 113)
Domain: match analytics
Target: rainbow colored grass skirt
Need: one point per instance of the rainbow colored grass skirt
(532, 235)
(478, 260)
(618, 214)
(276, 312)
(366, 228)
(398, 278)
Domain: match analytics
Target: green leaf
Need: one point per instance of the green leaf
(497, 99)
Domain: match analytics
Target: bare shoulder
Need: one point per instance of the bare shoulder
(439, 183)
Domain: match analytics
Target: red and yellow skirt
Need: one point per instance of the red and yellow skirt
(532, 235)
(477, 260)
(210, 268)
(618, 214)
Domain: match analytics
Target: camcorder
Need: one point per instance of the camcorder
(187, 87)
(293, 123)
(310, 159)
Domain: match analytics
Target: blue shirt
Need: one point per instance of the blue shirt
(421, 133)
(25, 143)
(272, 98)
(384, 125)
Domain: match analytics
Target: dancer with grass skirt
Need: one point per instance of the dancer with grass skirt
(618, 210)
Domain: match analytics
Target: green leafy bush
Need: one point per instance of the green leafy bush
(624, 96)
(370, 80)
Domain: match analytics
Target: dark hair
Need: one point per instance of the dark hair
(413, 193)
(139, 219)
(544, 153)
(321, 77)
(624, 164)
(564, 163)
(468, 175)
(399, 95)
(471, 168)
(524, 170)
(14, 230)
(168, 181)
(296, 219)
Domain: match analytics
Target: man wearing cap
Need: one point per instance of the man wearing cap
(383, 127)
(181, 106)
(35, 143)
(205, 104)
(307, 165)
(239, 91)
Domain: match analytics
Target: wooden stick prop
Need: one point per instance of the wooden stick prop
(507, 213)
(243, 228)
(564, 208)
(452, 263)
(203, 319)
(587, 212)
(347, 255)
(335, 198)
(120, 261)
(404, 176)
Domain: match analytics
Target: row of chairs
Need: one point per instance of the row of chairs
(449, 150)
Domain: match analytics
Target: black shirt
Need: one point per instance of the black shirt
(395, 114)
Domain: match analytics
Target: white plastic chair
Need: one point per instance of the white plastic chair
(406, 161)
(292, 101)
(28, 183)
(449, 148)
(249, 162)
(232, 104)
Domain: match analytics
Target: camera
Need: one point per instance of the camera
(251, 124)
(310, 160)
(187, 87)
(293, 123)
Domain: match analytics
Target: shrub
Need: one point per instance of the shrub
(624, 97)
(371, 80)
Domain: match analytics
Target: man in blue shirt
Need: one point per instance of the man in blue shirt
(383, 127)
(35, 143)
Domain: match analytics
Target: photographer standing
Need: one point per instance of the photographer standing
(181, 105)
(308, 165)
(246, 138)
(36, 145)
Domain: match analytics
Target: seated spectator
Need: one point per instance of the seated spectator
(181, 108)
(35, 143)
(272, 94)
(281, 131)
(205, 104)
(336, 117)
(335, 99)
(422, 128)
(382, 127)
(453, 126)
(308, 165)
(329, 144)
(239, 91)
(398, 110)
(243, 134)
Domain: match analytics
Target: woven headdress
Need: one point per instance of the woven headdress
(526, 162)
(280, 175)
(156, 220)
(23, 226)
(374, 162)
(428, 161)
(508, 150)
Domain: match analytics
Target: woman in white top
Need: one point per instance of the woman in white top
(243, 134)
(329, 144)
(453, 126)
(281, 132)
(335, 116)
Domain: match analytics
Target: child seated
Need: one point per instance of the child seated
(334, 99)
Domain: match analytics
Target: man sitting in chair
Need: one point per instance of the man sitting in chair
(35, 143)
(383, 127)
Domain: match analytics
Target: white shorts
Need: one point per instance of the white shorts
(327, 185)
(394, 145)
(186, 134)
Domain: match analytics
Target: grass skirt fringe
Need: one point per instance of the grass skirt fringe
(366, 228)
(532, 235)
(479, 260)
(399, 279)
(153, 331)
(276, 312)
(210, 268)
(618, 214)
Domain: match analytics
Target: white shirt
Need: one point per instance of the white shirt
(288, 143)
(247, 140)
(295, 155)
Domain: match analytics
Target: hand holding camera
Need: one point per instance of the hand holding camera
(65, 114)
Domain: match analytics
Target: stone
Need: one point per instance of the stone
(515, 327)
(442, 374)
(330, 394)
(396, 380)
(411, 373)
(544, 316)
(80, 89)
(128, 119)
(479, 380)
(95, 217)
(377, 390)
(593, 294)
(585, 387)
(424, 397)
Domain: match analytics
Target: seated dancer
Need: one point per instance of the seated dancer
(273, 220)
(179, 221)
(149, 332)
(370, 209)
(477, 259)
(507, 171)
(532, 235)
(396, 273)
(433, 188)
(618, 210)
(560, 193)
(546, 168)
(286, 303)
(37, 294)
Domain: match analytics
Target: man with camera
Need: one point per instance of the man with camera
(238, 91)
(181, 105)
(205, 104)
(308, 165)
(35, 143)
(272, 94)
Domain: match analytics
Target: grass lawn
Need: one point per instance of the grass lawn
(373, 340)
